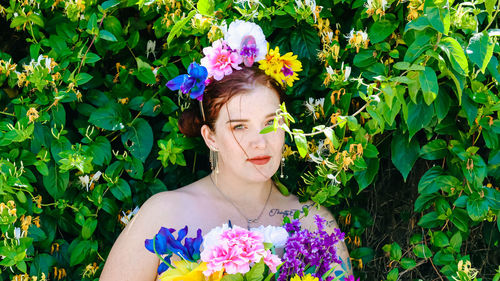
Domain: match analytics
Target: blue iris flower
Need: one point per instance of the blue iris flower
(166, 244)
(193, 82)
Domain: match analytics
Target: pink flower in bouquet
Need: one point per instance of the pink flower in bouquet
(220, 60)
(237, 249)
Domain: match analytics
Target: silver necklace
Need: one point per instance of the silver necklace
(249, 221)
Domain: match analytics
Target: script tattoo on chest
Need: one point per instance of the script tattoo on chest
(288, 212)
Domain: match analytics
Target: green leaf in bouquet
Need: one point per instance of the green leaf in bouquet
(82, 78)
(232, 277)
(256, 272)
(439, 239)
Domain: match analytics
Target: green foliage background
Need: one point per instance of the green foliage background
(83, 100)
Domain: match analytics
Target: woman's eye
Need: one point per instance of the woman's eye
(238, 127)
(270, 122)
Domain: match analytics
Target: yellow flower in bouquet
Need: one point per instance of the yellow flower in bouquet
(307, 277)
(184, 271)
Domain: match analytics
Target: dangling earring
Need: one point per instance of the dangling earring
(214, 155)
(282, 164)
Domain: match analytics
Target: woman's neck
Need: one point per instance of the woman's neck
(240, 191)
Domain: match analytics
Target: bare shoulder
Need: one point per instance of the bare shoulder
(129, 259)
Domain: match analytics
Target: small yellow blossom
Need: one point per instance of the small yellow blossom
(2, 10)
(59, 273)
(124, 100)
(25, 223)
(414, 7)
(90, 270)
(32, 114)
(54, 248)
(358, 39)
(377, 7)
(36, 221)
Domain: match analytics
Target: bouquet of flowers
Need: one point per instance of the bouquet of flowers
(233, 253)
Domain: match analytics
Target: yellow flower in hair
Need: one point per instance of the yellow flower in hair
(282, 68)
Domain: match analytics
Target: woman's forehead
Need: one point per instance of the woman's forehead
(257, 103)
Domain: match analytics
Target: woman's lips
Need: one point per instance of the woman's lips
(260, 160)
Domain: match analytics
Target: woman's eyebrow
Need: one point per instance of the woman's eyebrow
(246, 120)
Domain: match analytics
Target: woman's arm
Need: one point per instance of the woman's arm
(129, 259)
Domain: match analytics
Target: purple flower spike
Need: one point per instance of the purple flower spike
(193, 82)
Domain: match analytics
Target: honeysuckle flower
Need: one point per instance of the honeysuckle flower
(17, 234)
(358, 39)
(220, 60)
(275, 235)
(32, 114)
(126, 218)
(248, 39)
(184, 271)
(314, 107)
(333, 179)
(376, 7)
(150, 48)
(192, 83)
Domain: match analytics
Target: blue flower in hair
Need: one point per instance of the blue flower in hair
(192, 83)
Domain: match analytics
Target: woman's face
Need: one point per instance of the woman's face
(243, 151)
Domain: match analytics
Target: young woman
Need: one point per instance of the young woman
(239, 189)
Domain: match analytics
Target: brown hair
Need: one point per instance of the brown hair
(218, 93)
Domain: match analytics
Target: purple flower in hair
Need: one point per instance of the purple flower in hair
(193, 82)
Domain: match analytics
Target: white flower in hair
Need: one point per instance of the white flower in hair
(248, 39)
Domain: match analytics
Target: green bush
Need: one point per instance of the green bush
(88, 130)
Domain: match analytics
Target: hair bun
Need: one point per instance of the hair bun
(190, 123)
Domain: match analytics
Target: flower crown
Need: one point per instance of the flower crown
(244, 42)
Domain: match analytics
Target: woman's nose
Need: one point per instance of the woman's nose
(258, 140)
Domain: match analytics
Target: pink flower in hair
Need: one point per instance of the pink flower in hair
(220, 60)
